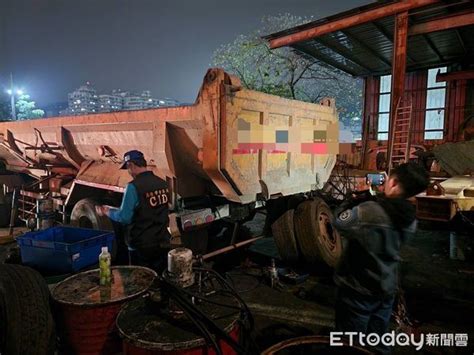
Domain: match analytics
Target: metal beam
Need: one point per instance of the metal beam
(349, 21)
(323, 57)
(441, 24)
(343, 51)
(433, 47)
(461, 41)
(367, 48)
(398, 75)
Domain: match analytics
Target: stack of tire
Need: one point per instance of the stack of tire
(304, 233)
(26, 322)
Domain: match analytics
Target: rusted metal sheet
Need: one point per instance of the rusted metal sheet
(369, 114)
(456, 158)
(232, 142)
(274, 143)
(456, 109)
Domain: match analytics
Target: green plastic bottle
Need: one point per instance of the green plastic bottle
(104, 267)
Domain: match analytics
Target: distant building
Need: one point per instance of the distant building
(83, 100)
(139, 102)
(109, 103)
(86, 101)
(133, 102)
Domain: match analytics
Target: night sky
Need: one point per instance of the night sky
(54, 46)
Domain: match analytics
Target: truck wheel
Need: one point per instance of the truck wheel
(26, 323)
(284, 235)
(84, 216)
(318, 240)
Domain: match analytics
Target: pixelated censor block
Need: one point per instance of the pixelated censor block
(309, 137)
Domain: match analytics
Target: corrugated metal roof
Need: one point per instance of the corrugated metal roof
(366, 49)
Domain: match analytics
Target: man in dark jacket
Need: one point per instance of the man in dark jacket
(144, 210)
(373, 232)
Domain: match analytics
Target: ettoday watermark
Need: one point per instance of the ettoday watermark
(398, 339)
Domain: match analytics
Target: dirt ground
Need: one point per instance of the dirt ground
(439, 291)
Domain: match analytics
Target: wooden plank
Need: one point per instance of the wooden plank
(458, 75)
(441, 24)
(352, 20)
(398, 71)
(422, 83)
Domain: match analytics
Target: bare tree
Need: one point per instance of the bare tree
(289, 74)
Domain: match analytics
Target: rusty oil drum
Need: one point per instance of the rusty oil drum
(86, 312)
(147, 330)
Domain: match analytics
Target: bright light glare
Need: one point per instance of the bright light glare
(19, 92)
(9, 92)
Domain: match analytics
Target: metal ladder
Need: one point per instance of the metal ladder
(399, 149)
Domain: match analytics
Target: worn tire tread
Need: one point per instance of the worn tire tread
(284, 235)
(28, 322)
(308, 234)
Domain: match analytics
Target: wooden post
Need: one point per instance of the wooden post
(13, 212)
(398, 73)
(365, 127)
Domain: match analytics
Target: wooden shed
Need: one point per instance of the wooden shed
(417, 54)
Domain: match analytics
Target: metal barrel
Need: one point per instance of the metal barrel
(90, 331)
(177, 349)
(86, 312)
(147, 330)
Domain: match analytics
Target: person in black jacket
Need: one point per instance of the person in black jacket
(144, 210)
(373, 231)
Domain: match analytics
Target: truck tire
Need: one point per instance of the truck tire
(284, 235)
(26, 322)
(83, 215)
(318, 240)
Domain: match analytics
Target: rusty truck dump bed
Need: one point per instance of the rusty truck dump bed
(232, 142)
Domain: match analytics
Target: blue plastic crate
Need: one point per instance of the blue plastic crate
(63, 249)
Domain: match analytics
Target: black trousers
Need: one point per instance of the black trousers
(364, 314)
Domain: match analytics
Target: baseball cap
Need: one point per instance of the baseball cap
(132, 155)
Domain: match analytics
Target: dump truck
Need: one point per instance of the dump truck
(229, 154)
